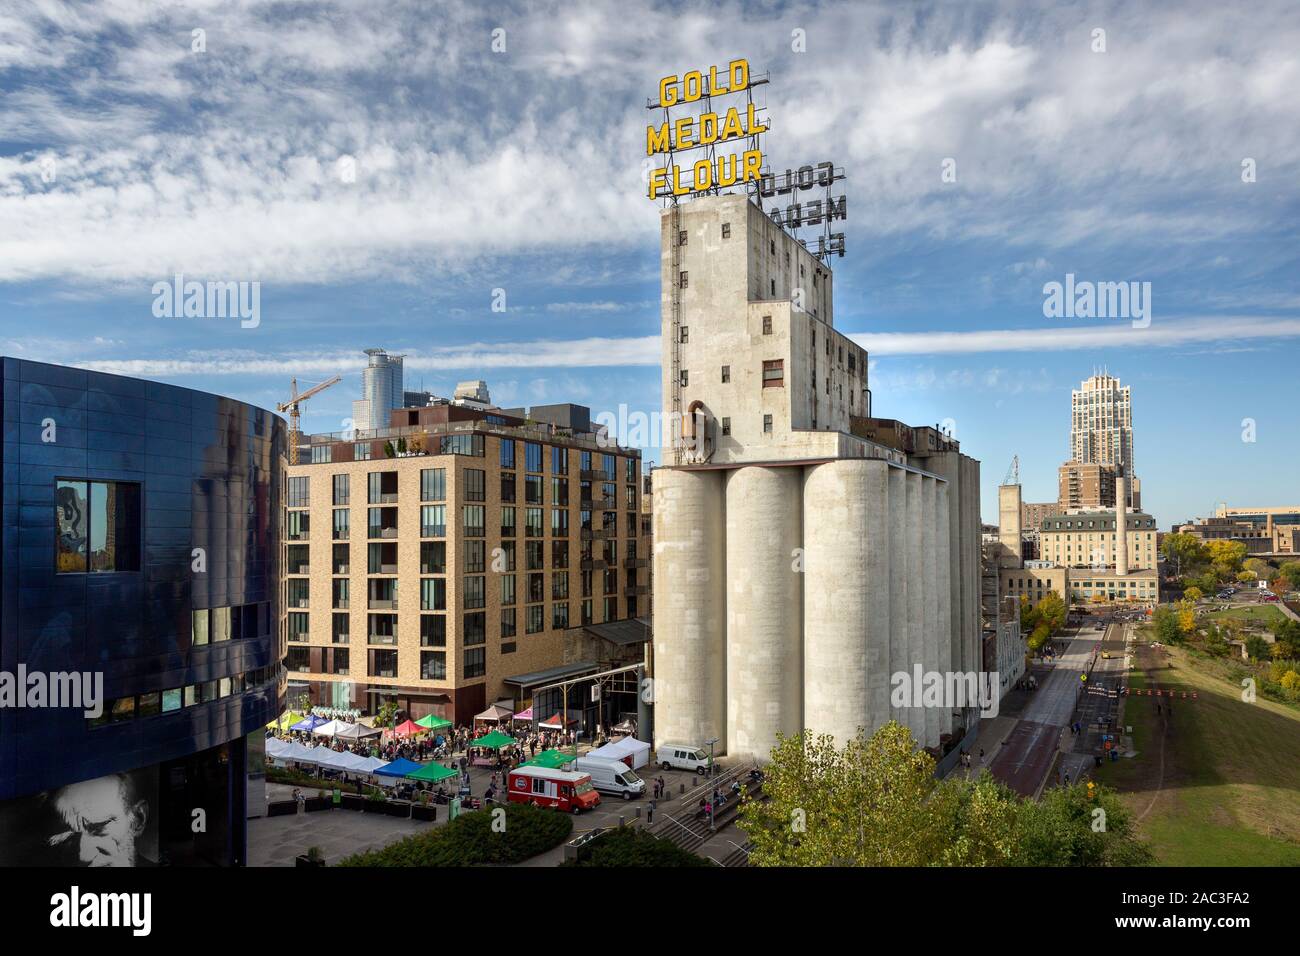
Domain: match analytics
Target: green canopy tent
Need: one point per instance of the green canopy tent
(433, 722)
(493, 741)
(550, 759)
(432, 773)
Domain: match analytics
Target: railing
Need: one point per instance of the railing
(537, 431)
(631, 563)
(382, 604)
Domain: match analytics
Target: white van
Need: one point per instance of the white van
(683, 758)
(611, 776)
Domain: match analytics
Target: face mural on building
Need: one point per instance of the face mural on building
(109, 821)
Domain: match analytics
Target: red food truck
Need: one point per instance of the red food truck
(558, 789)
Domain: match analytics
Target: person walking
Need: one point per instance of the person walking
(650, 812)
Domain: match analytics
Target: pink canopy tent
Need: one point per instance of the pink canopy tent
(525, 714)
(409, 728)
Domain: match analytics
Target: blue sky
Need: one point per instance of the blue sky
(127, 155)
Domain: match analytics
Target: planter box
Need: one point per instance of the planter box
(353, 801)
(373, 806)
(281, 808)
(398, 808)
(421, 812)
(319, 803)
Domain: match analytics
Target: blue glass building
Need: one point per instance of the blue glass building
(139, 542)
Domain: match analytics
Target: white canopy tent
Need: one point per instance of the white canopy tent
(624, 748)
(329, 728)
(357, 732)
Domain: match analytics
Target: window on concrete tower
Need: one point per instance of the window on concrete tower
(767, 424)
(726, 230)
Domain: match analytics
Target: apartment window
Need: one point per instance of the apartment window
(475, 662)
(97, 526)
(433, 665)
(535, 619)
(433, 630)
(341, 524)
(507, 453)
(684, 335)
(433, 521)
(461, 445)
(340, 628)
(533, 555)
(322, 454)
(767, 424)
(475, 629)
(474, 516)
(342, 492)
(559, 522)
(507, 589)
(559, 491)
(382, 487)
(299, 591)
(533, 527)
(507, 557)
(533, 489)
(433, 484)
(559, 616)
(475, 484)
(361, 451)
(767, 325)
(683, 280)
(475, 591)
(507, 623)
(433, 594)
(559, 460)
(299, 492)
(339, 563)
(559, 585)
(773, 373)
(298, 529)
(296, 559)
(726, 374)
(630, 474)
(726, 426)
(297, 626)
(433, 556)
(474, 556)
(536, 587)
(726, 230)
(507, 486)
(339, 593)
(508, 522)
(532, 456)
(559, 554)
(383, 663)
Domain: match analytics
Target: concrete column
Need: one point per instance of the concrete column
(846, 597)
(1121, 527)
(764, 608)
(690, 678)
(914, 619)
(947, 609)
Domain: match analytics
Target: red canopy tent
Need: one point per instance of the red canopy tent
(408, 729)
(557, 722)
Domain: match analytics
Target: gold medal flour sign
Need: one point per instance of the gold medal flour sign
(708, 127)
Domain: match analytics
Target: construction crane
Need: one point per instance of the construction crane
(291, 406)
(1013, 473)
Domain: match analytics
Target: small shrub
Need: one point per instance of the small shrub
(633, 846)
(470, 840)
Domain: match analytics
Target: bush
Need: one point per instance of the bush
(633, 846)
(469, 840)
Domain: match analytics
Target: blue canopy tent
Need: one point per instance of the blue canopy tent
(308, 724)
(401, 767)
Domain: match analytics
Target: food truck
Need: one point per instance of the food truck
(562, 790)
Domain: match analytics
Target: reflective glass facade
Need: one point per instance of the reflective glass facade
(139, 541)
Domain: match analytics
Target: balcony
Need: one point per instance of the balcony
(601, 504)
(342, 568)
(389, 533)
(383, 604)
(300, 568)
(592, 564)
(631, 563)
(301, 603)
(591, 474)
(636, 590)
(384, 498)
(388, 639)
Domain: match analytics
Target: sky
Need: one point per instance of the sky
(388, 172)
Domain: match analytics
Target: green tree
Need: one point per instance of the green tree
(1184, 551)
(1193, 594)
(1052, 611)
(1164, 620)
(1290, 570)
(1226, 557)
(1256, 647)
(1064, 829)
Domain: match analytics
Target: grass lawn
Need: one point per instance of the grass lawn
(1265, 614)
(1229, 794)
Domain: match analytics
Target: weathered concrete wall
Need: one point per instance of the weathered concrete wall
(764, 608)
(690, 683)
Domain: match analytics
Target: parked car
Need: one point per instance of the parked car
(683, 757)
